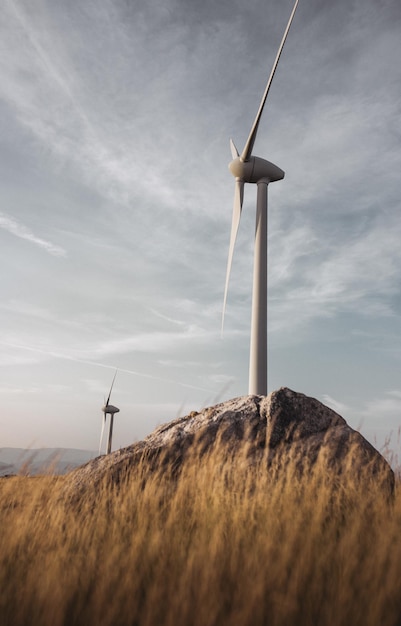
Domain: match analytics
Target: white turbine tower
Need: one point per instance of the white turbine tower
(108, 409)
(250, 169)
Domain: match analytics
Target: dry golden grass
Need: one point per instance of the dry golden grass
(224, 544)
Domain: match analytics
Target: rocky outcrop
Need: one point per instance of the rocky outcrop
(281, 426)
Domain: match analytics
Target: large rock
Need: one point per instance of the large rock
(281, 426)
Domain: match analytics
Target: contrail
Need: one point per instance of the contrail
(19, 230)
(47, 63)
(58, 355)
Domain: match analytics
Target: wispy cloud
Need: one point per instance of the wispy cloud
(50, 82)
(336, 405)
(384, 407)
(314, 275)
(19, 230)
(155, 342)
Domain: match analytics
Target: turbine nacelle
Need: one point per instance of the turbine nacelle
(110, 409)
(255, 169)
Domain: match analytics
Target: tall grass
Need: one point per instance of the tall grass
(224, 543)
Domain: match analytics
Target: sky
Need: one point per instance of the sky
(116, 203)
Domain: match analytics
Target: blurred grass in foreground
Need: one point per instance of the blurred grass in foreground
(224, 544)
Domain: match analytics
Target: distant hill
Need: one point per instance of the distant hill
(44, 460)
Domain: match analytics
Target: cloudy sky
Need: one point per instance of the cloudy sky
(116, 203)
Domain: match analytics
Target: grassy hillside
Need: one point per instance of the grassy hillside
(225, 544)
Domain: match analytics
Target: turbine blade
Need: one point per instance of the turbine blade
(101, 434)
(247, 151)
(108, 399)
(233, 148)
(237, 209)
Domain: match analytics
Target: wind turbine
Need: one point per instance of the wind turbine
(108, 409)
(250, 169)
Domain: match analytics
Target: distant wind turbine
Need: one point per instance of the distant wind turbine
(250, 169)
(108, 409)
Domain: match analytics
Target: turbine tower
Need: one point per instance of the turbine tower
(108, 409)
(250, 169)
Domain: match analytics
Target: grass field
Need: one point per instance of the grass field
(225, 544)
